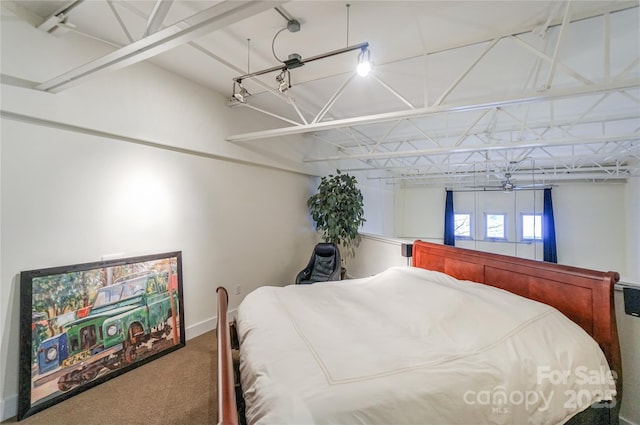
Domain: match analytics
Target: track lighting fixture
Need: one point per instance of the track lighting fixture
(295, 61)
(241, 94)
(284, 80)
(364, 64)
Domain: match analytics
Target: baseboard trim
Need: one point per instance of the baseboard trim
(207, 325)
(199, 328)
(9, 405)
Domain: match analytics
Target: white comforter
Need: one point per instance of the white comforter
(411, 346)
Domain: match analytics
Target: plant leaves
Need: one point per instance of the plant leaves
(338, 210)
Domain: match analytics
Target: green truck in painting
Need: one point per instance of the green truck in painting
(133, 312)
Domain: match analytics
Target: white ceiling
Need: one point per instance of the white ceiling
(461, 92)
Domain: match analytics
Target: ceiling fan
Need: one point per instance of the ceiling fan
(509, 186)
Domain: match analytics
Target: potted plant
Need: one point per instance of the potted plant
(337, 210)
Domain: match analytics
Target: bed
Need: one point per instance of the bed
(427, 344)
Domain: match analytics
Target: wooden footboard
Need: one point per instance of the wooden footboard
(227, 413)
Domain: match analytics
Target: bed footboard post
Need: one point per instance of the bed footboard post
(227, 413)
(612, 350)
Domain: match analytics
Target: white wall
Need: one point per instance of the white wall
(629, 334)
(629, 326)
(419, 213)
(591, 226)
(135, 163)
(69, 198)
(513, 204)
(632, 209)
(378, 206)
(590, 221)
(374, 255)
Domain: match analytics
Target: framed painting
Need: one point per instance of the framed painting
(83, 324)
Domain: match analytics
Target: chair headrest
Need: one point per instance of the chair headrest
(325, 249)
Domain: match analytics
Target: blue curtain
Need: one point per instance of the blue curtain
(548, 230)
(449, 225)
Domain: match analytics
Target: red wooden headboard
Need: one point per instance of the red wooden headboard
(584, 296)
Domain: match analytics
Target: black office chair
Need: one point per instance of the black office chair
(324, 265)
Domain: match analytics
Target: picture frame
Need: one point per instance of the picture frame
(83, 324)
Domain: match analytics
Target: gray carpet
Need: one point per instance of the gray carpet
(176, 389)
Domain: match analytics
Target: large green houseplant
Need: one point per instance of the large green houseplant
(338, 211)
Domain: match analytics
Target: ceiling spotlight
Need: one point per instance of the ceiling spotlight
(284, 80)
(242, 94)
(364, 64)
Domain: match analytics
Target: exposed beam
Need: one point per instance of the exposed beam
(52, 22)
(23, 13)
(554, 59)
(494, 163)
(210, 54)
(537, 174)
(271, 114)
(611, 7)
(120, 21)
(72, 28)
(466, 72)
(581, 141)
(500, 132)
(333, 99)
(465, 134)
(158, 14)
(205, 22)
(392, 91)
(391, 116)
(545, 176)
(284, 97)
(547, 58)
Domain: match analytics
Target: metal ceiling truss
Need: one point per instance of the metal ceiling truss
(495, 129)
(201, 23)
(616, 154)
(475, 177)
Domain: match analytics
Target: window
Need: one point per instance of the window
(531, 227)
(462, 223)
(495, 226)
